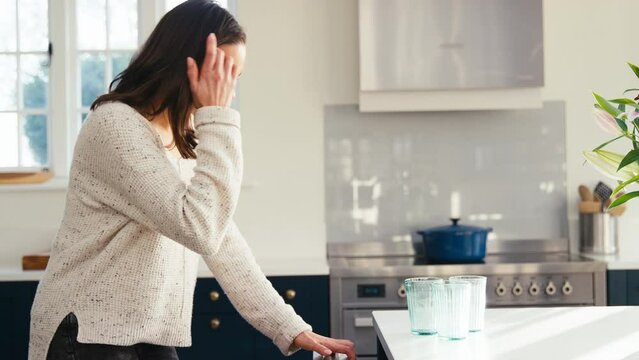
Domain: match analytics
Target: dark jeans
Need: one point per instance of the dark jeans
(65, 347)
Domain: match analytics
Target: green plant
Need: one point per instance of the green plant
(619, 117)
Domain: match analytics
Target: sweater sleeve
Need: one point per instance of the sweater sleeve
(252, 294)
(129, 171)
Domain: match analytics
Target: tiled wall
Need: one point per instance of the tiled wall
(390, 174)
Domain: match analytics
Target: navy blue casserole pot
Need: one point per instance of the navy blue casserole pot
(455, 243)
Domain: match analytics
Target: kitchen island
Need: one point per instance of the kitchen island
(582, 333)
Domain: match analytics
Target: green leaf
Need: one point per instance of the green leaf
(625, 101)
(608, 142)
(623, 198)
(631, 156)
(634, 68)
(606, 105)
(629, 90)
(624, 184)
(622, 125)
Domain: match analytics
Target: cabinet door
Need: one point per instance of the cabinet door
(220, 336)
(16, 298)
(633, 287)
(209, 297)
(617, 287)
(310, 300)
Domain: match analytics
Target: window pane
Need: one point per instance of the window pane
(91, 77)
(35, 80)
(8, 79)
(123, 24)
(8, 25)
(8, 139)
(83, 117)
(119, 62)
(33, 144)
(34, 25)
(91, 15)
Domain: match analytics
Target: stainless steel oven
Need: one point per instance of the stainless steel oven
(369, 276)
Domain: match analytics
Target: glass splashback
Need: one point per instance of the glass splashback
(388, 175)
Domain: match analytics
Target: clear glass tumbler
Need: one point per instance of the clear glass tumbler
(421, 297)
(453, 309)
(477, 299)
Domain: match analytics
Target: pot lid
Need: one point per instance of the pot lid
(455, 228)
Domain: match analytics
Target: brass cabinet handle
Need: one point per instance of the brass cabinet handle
(215, 323)
(290, 294)
(214, 295)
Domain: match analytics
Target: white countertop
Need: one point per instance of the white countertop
(567, 333)
(272, 266)
(621, 261)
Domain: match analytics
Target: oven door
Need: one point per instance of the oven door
(358, 327)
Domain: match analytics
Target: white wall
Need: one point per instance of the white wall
(302, 54)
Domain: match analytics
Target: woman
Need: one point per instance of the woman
(154, 183)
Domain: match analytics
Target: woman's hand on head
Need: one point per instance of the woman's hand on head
(214, 82)
(323, 345)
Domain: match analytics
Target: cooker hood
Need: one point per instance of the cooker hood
(421, 55)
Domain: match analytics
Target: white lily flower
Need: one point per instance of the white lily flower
(606, 122)
(607, 162)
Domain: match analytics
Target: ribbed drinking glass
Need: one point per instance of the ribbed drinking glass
(453, 309)
(477, 300)
(421, 298)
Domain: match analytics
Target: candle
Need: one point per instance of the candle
(455, 208)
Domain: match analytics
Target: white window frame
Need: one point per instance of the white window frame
(20, 110)
(64, 87)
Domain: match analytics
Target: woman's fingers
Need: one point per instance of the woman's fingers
(340, 346)
(218, 68)
(320, 349)
(210, 54)
(192, 73)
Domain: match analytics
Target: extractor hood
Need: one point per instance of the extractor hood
(421, 55)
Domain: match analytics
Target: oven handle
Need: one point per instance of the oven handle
(363, 322)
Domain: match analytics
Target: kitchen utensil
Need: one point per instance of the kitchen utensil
(617, 211)
(602, 192)
(589, 207)
(421, 299)
(477, 299)
(585, 194)
(598, 234)
(453, 309)
(455, 243)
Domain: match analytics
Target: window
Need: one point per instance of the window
(24, 85)
(46, 91)
(107, 37)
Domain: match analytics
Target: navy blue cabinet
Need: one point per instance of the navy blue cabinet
(623, 287)
(16, 298)
(218, 331)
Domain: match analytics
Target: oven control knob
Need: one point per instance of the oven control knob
(534, 289)
(551, 289)
(500, 289)
(518, 289)
(567, 288)
(401, 291)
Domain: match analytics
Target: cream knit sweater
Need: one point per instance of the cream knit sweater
(136, 221)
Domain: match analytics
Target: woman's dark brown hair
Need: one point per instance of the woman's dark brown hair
(156, 79)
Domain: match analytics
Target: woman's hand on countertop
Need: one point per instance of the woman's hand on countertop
(311, 341)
